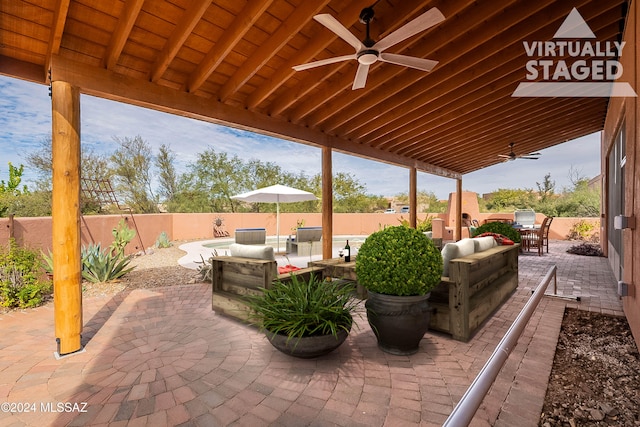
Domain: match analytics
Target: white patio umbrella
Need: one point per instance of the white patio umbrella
(276, 194)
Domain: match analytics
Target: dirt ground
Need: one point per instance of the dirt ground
(595, 378)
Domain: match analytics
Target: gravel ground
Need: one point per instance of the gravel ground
(156, 268)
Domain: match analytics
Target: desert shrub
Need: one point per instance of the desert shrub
(421, 225)
(499, 228)
(22, 282)
(100, 265)
(163, 241)
(581, 230)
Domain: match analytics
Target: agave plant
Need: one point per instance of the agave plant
(100, 265)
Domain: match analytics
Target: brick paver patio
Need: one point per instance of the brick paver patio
(162, 357)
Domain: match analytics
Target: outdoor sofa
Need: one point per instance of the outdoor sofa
(478, 277)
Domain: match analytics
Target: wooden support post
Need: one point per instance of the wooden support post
(327, 203)
(458, 231)
(12, 226)
(67, 266)
(413, 196)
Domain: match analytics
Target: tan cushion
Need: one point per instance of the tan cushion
(252, 251)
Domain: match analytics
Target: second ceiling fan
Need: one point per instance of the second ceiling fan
(368, 51)
(513, 156)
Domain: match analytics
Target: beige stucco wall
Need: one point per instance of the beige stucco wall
(627, 111)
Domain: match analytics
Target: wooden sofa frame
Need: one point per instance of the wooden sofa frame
(236, 277)
(477, 285)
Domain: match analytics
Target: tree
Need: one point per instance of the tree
(350, 196)
(167, 175)
(10, 192)
(546, 188)
(12, 186)
(216, 177)
(92, 164)
(131, 168)
(509, 199)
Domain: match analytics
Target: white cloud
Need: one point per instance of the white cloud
(25, 119)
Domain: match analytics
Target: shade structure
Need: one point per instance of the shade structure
(276, 194)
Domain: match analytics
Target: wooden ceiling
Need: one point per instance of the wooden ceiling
(230, 62)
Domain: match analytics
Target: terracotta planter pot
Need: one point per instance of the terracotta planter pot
(307, 347)
(399, 322)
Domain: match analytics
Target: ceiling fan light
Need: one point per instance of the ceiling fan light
(367, 57)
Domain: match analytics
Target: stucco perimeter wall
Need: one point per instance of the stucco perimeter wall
(36, 232)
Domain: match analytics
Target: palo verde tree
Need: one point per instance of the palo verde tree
(131, 168)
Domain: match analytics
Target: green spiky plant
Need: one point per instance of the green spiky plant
(100, 265)
(304, 307)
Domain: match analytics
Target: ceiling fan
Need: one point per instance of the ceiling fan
(513, 156)
(368, 51)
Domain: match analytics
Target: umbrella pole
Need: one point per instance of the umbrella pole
(278, 224)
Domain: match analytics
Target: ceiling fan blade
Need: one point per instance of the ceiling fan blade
(504, 156)
(428, 19)
(408, 61)
(340, 30)
(361, 77)
(527, 158)
(324, 62)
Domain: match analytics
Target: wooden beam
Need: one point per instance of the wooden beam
(65, 213)
(120, 35)
(327, 204)
(187, 23)
(55, 38)
(22, 70)
(107, 84)
(299, 18)
(231, 36)
(413, 197)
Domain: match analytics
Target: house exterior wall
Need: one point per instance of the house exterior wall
(626, 112)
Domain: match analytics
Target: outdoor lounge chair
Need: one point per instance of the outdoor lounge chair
(306, 241)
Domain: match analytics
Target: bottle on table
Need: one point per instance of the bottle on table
(347, 252)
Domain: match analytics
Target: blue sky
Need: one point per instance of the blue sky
(25, 120)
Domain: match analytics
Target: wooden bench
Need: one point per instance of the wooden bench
(477, 285)
(306, 241)
(234, 278)
(251, 236)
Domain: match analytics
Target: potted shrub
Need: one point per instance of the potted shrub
(398, 266)
(304, 317)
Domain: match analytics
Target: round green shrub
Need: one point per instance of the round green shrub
(399, 261)
(499, 228)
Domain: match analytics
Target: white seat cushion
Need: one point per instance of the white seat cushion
(252, 251)
(484, 243)
(456, 250)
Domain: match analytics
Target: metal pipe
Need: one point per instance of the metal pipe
(466, 408)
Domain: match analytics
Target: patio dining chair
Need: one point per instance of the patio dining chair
(539, 239)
